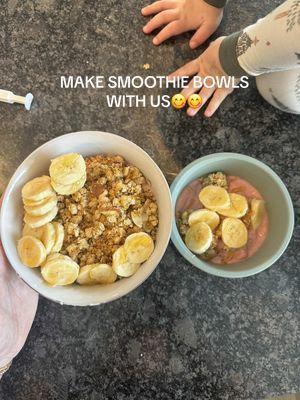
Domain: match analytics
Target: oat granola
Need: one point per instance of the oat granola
(116, 201)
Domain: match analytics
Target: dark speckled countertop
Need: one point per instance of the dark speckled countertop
(182, 334)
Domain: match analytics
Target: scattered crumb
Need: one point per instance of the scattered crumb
(146, 66)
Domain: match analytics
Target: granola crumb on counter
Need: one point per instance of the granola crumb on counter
(116, 201)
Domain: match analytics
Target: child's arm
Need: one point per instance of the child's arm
(271, 44)
(180, 16)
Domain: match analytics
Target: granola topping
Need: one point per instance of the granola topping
(116, 201)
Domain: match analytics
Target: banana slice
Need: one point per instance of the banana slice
(33, 203)
(69, 189)
(42, 207)
(37, 189)
(67, 169)
(60, 271)
(137, 219)
(84, 277)
(31, 251)
(52, 256)
(36, 232)
(138, 247)
(103, 274)
(121, 265)
(258, 210)
(199, 237)
(214, 197)
(234, 233)
(59, 237)
(238, 207)
(36, 222)
(48, 237)
(210, 217)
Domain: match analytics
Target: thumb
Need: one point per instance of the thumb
(200, 36)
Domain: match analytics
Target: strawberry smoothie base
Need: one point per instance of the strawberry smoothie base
(189, 200)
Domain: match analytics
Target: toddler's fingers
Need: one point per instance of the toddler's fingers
(192, 87)
(218, 97)
(205, 94)
(191, 112)
(200, 35)
(172, 29)
(158, 6)
(160, 19)
(189, 69)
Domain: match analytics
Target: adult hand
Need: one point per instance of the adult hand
(18, 304)
(207, 64)
(178, 16)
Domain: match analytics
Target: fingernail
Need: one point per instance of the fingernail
(155, 41)
(192, 111)
(145, 28)
(192, 45)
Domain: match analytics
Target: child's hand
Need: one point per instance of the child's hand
(208, 64)
(180, 16)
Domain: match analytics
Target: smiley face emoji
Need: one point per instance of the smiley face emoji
(178, 101)
(195, 100)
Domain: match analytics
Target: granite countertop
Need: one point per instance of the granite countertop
(183, 334)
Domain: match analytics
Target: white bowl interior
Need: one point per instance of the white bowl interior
(279, 206)
(85, 143)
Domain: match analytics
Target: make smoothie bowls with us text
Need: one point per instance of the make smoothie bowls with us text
(222, 218)
(92, 221)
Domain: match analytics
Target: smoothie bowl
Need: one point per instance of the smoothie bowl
(86, 218)
(233, 216)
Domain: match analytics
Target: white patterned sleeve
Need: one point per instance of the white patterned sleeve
(271, 44)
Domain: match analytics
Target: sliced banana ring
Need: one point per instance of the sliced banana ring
(199, 237)
(37, 189)
(67, 168)
(31, 251)
(60, 271)
(137, 219)
(33, 203)
(210, 217)
(138, 247)
(69, 189)
(48, 237)
(258, 210)
(103, 274)
(214, 197)
(59, 237)
(238, 206)
(234, 233)
(36, 232)
(42, 207)
(121, 265)
(52, 256)
(84, 277)
(36, 222)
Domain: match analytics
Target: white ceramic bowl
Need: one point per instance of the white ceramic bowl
(273, 190)
(36, 164)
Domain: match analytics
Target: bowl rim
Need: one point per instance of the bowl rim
(12, 181)
(214, 270)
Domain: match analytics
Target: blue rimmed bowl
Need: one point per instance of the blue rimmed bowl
(279, 206)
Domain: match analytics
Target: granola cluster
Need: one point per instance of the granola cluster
(116, 201)
(215, 178)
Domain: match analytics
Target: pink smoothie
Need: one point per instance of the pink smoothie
(189, 199)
